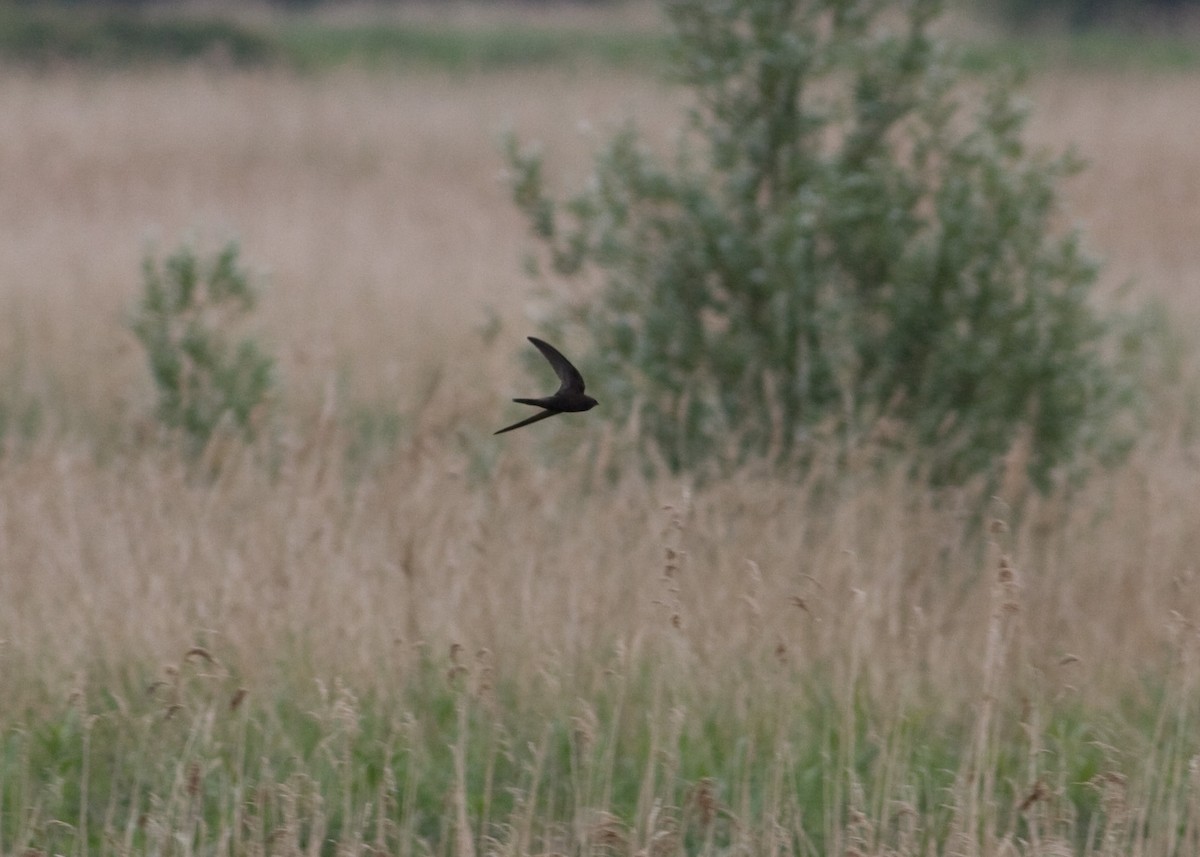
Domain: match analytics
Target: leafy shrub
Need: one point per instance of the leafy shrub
(835, 244)
(187, 306)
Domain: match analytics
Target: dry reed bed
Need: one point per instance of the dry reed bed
(375, 205)
(569, 593)
(747, 580)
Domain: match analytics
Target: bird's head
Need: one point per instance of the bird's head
(589, 403)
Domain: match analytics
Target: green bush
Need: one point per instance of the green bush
(839, 242)
(187, 306)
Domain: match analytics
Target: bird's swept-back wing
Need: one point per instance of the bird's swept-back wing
(572, 381)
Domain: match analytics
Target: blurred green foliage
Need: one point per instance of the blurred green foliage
(119, 35)
(43, 34)
(1086, 14)
(107, 35)
(843, 245)
(308, 45)
(187, 308)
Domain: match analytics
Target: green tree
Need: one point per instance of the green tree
(844, 234)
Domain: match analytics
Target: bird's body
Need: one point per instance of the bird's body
(569, 398)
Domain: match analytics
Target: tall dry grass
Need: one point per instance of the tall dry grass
(375, 205)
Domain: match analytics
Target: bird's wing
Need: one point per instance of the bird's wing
(572, 381)
(527, 421)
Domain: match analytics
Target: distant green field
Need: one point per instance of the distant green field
(1087, 51)
(41, 36)
(119, 37)
(313, 46)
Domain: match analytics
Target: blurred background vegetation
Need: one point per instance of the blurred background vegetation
(314, 34)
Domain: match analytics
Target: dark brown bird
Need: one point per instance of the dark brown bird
(569, 396)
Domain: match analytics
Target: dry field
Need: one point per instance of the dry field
(642, 619)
